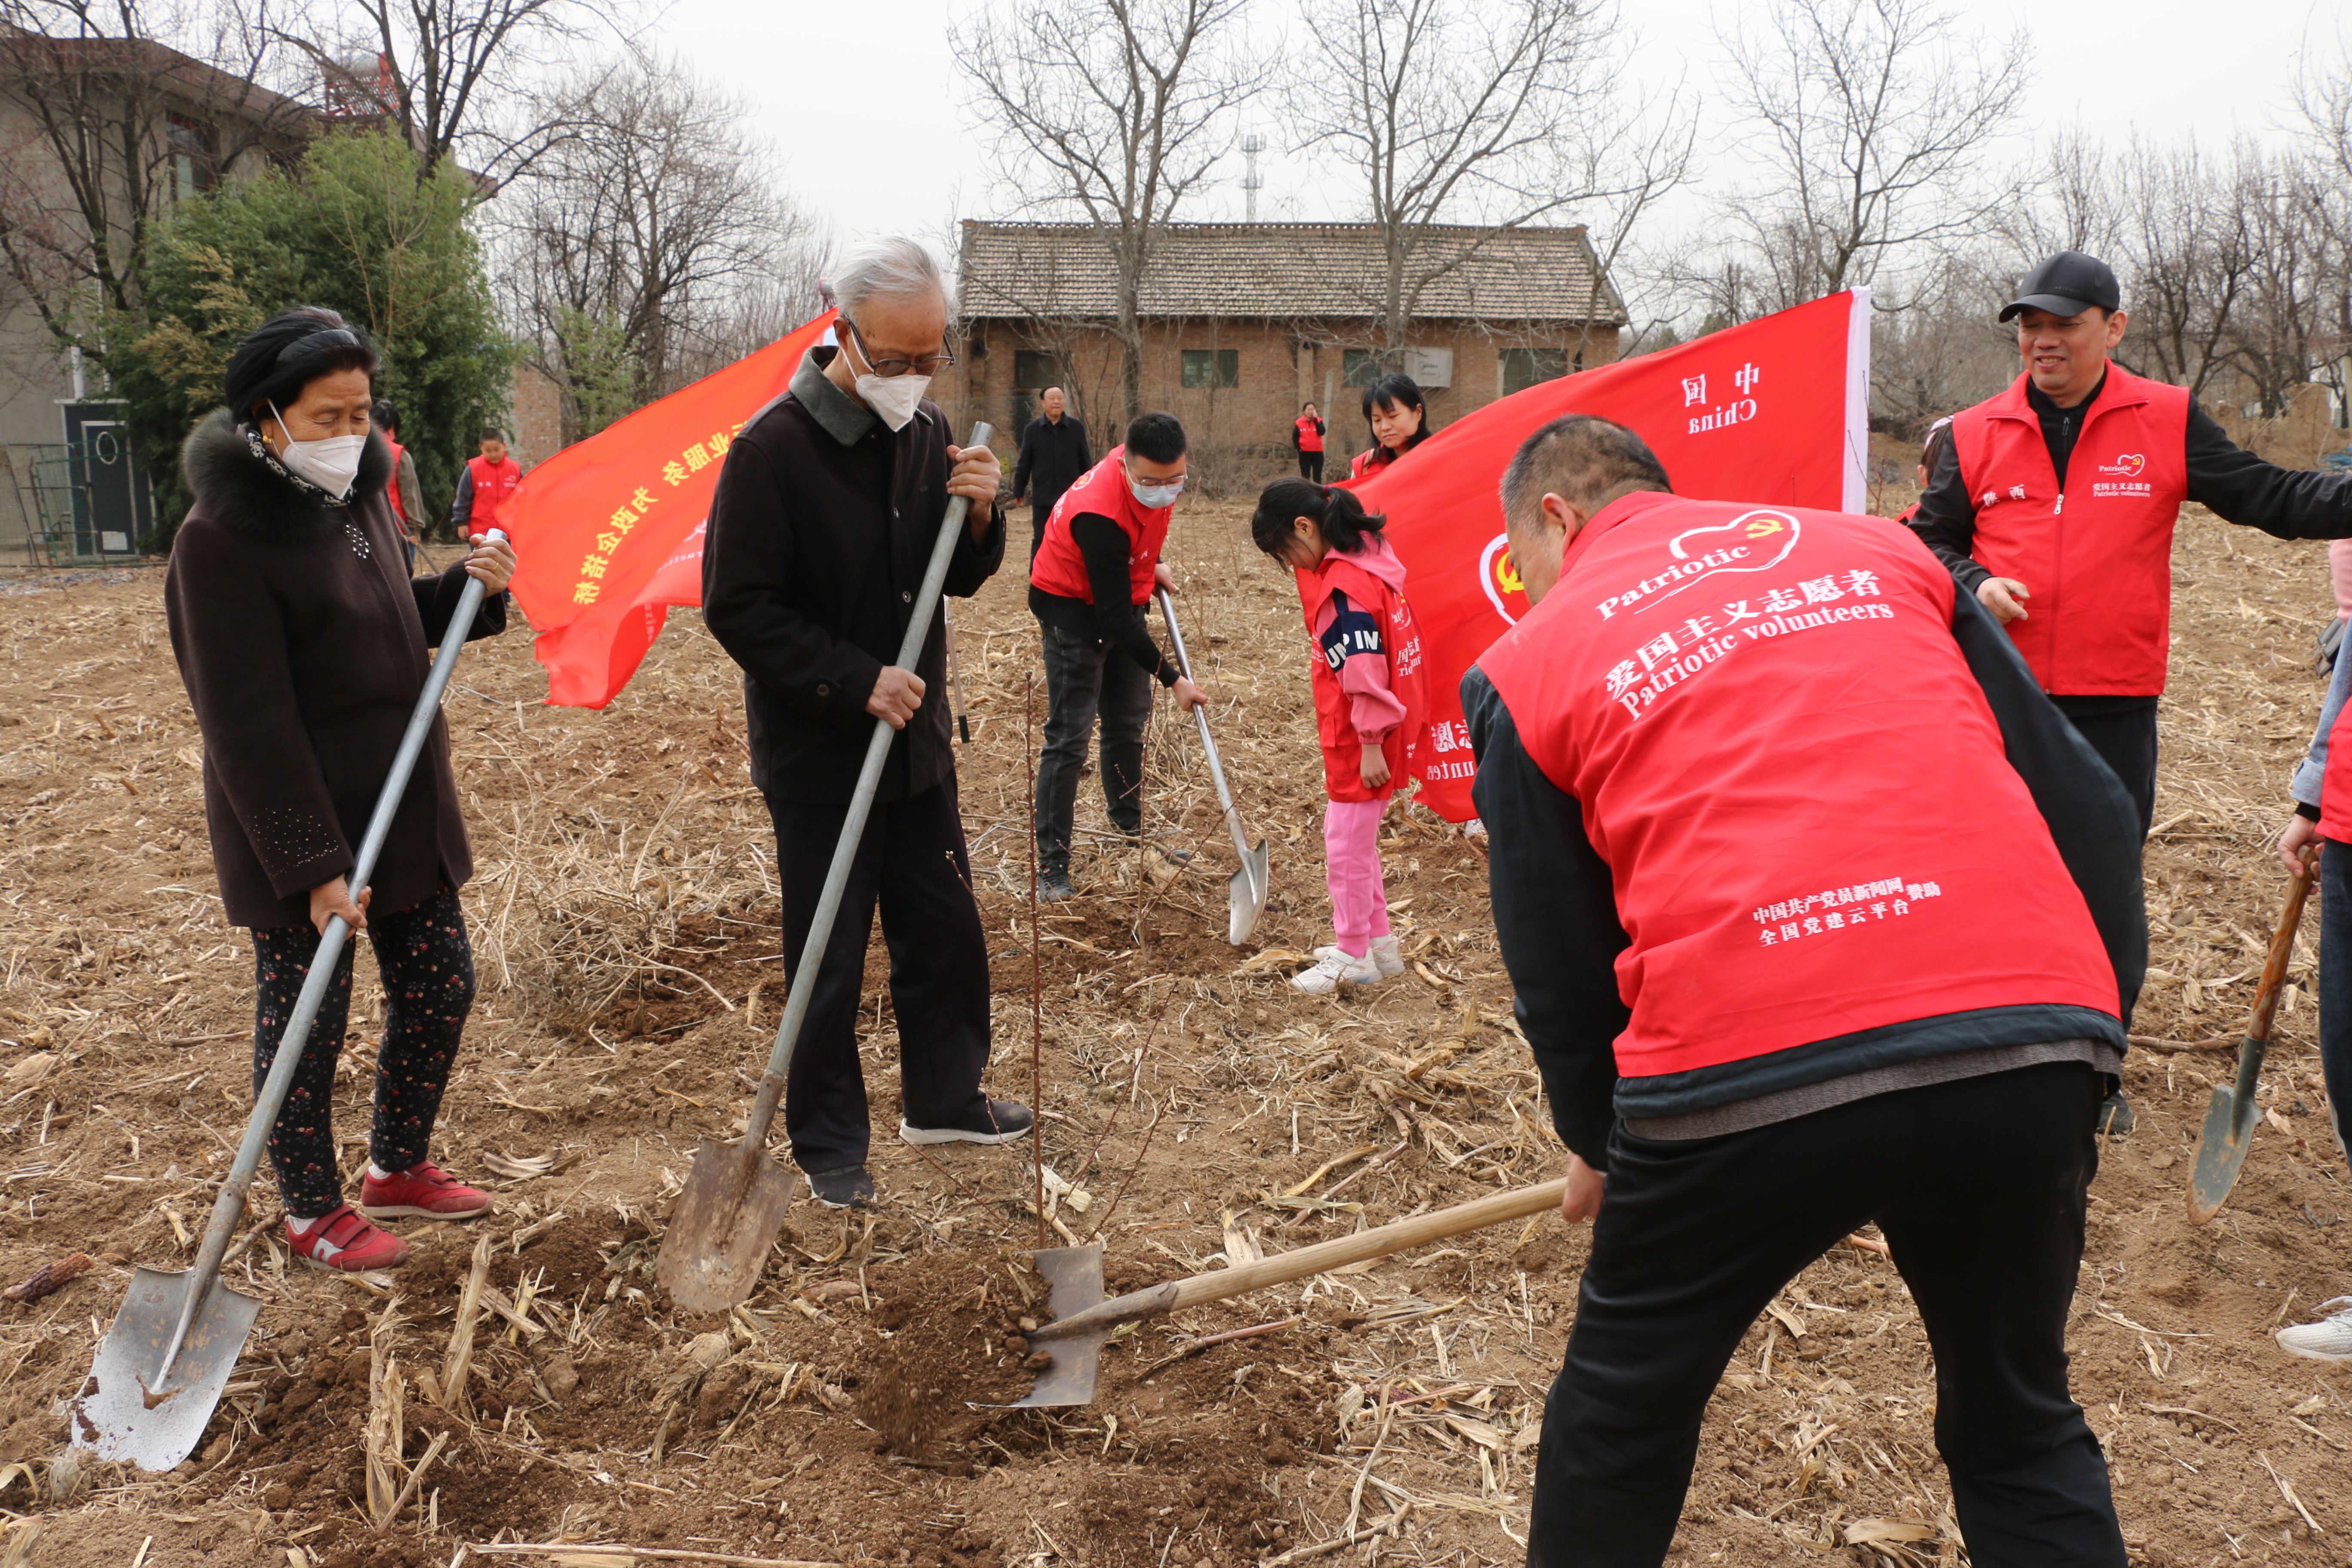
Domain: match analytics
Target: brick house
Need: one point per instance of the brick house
(1244, 322)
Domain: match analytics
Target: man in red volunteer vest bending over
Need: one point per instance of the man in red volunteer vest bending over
(1093, 573)
(1767, 1010)
(2054, 502)
(485, 484)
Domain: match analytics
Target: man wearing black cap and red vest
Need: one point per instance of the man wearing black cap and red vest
(2054, 505)
(1766, 1010)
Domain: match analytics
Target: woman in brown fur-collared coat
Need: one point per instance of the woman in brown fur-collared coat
(302, 641)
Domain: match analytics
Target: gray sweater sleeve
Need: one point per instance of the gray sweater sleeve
(2312, 771)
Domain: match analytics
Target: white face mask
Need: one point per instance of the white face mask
(893, 397)
(332, 463)
(1154, 497)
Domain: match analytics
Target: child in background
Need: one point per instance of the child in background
(1367, 705)
(1307, 440)
(1399, 418)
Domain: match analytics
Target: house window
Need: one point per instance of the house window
(1033, 370)
(1359, 367)
(190, 146)
(1522, 368)
(1213, 367)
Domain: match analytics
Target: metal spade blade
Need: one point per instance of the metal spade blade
(2228, 1130)
(118, 1416)
(1075, 1276)
(720, 1230)
(1245, 893)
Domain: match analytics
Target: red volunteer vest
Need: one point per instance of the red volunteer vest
(391, 490)
(1335, 724)
(493, 482)
(1059, 568)
(1756, 708)
(2335, 781)
(2098, 557)
(1310, 439)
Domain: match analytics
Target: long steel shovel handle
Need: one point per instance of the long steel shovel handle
(1208, 744)
(845, 852)
(229, 1207)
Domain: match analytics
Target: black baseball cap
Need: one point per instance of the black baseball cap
(2067, 284)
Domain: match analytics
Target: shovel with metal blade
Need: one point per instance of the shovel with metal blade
(175, 1340)
(2229, 1121)
(735, 1198)
(1245, 893)
(1083, 1321)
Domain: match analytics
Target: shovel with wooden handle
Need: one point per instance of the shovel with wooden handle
(2229, 1120)
(178, 1334)
(1246, 892)
(1083, 1321)
(734, 1200)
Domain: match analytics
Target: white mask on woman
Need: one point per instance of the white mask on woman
(332, 462)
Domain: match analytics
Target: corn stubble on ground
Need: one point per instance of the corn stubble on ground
(624, 916)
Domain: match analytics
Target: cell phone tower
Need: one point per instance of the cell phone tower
(1252, 181)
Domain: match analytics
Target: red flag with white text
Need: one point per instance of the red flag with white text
(1772, 410)
(608, 532)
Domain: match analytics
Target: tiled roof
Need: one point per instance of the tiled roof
(1282, 271)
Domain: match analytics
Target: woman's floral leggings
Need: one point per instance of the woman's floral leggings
(427, 968)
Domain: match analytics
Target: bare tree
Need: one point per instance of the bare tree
(1485, 114)
(2190, 258)
(643, 248)
(458, 77)
(112, 111)
(1866, 123)
(1112, 111)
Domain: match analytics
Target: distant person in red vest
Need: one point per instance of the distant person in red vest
(1766, 1009)
(2055, 506)
(406, 496)
(1399, 418)
(1307, 440)
(1368, 706)
(486, 483)
(1094, 573)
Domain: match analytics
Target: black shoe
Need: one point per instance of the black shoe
(1001, 1122)
(847, 1188)
(1052, 886)
(2116, 1116)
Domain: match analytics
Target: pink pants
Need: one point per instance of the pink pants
(2339, 573)
(1351, 863)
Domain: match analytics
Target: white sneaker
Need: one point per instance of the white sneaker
(1385, 955)
(1334, 967)
(2330, 1338)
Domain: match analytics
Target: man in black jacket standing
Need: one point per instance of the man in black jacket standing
(1054, 453)
(820, 531)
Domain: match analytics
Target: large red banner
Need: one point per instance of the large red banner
(1773, 410)
(609, 530)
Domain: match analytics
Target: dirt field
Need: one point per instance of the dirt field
(624, 923)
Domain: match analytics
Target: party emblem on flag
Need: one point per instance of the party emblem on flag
(1500, 578)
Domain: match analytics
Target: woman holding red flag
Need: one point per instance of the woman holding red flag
(1368, 706)
(1307, 440)
(1399, 418)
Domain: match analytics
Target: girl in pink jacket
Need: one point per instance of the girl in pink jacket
(1369, 707)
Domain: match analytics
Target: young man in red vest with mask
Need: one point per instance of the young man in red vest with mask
(2054, 505)
(485, 484)
(1095, 572)
(1767, 1008)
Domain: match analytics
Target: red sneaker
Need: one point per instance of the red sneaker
(340, 1239)
(426, 1191)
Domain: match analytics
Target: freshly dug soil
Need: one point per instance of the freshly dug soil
(625, 922)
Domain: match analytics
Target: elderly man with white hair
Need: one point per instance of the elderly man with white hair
(823, 524)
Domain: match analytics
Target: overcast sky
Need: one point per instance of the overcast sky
(863, 98)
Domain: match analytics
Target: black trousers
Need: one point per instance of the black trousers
(2126, 741)
(1978, 1185)
(2335, 984)
(1086, 680)
(427, 969)
(912, 861)
(1310, 466)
